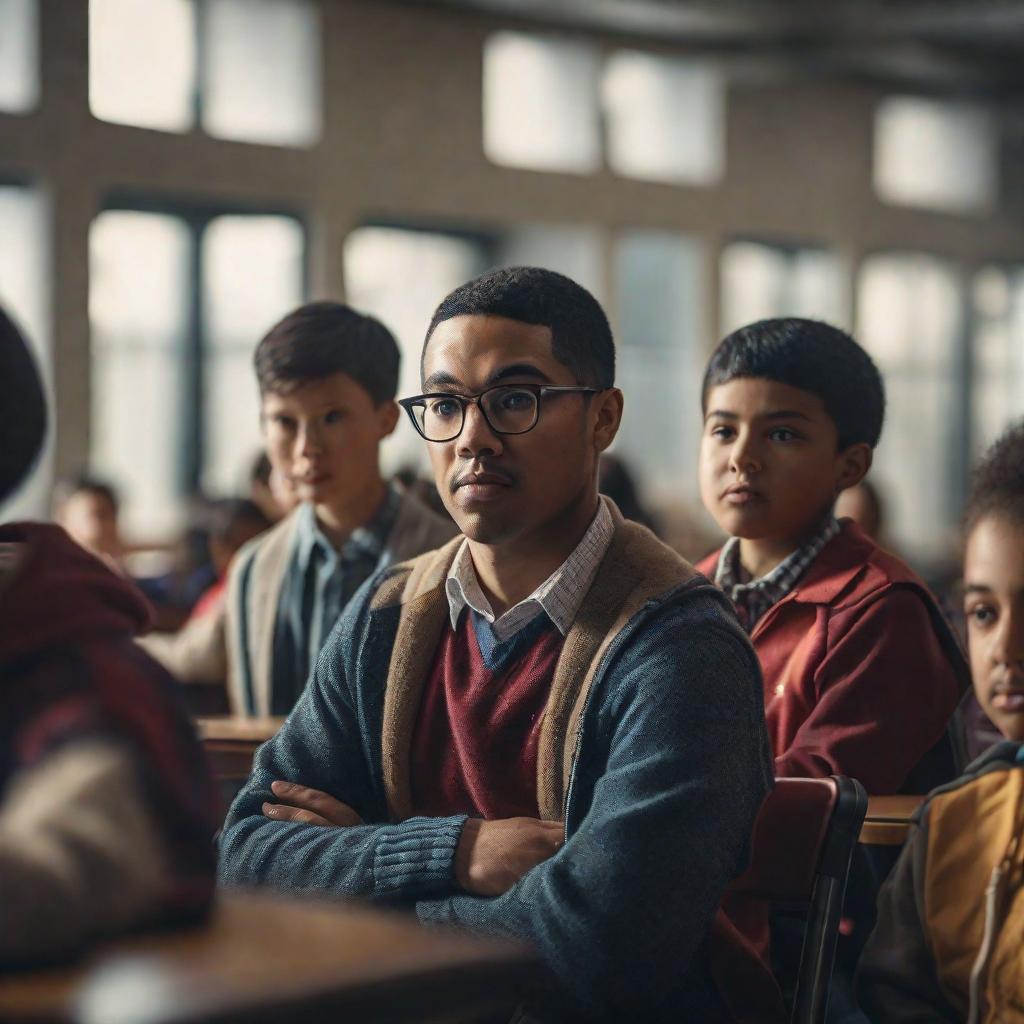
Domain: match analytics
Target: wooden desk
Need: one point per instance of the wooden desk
(887, 822)
(232, 742)
(262, 959)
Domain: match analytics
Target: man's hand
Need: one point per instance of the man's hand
(300, 803)
(493, 855)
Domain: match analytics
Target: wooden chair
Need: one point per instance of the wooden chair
(803, 840)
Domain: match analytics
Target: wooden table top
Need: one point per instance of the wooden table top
(265, 959)
(241, 730)
(887, 822)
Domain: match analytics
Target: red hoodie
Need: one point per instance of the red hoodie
(861, 672)
(69, 669)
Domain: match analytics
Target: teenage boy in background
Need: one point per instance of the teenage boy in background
(327, 377)
(861, 672)
(107, 813)
(940, 944)
(551, 728)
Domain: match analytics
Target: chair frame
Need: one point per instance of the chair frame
(823, 904)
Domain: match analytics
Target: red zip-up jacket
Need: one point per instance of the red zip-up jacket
(862, 673)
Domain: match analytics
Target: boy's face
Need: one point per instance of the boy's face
(770, 467)
(501, 488)
(322, 438)
(91, 520)
(994, 608)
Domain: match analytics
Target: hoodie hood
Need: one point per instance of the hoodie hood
(59, 594)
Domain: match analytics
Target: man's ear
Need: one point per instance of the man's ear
(854, 463)
(387, 418)
(607, 407)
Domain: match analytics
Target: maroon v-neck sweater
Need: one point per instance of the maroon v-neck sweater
(474, 748)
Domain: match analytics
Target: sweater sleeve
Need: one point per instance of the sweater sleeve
(897, 979)
(197, 653)
(80, 854)
(323, 746)
(885, 692)
(622, 912)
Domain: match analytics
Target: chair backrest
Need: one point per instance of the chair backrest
(803, 840)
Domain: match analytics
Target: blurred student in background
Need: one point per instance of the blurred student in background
(107, 814)
(88, 509)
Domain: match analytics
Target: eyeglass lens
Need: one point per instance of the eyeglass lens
(509, 410)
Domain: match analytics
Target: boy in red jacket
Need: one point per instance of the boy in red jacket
(861, 672)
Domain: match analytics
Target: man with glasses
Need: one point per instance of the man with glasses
(552, 727)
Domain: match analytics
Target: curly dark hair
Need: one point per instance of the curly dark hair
(581, 338)
(997, 484)
(814, 357)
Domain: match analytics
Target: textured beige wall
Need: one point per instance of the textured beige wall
(402, 140)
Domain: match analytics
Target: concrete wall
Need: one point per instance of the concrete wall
(402, 141)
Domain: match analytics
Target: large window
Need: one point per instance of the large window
(19, 55)
(25, 297)
(938, 154)
(997, 348)
(241, 69)
(177, 302)
(911, 321)
(760, 281)
(659, 283)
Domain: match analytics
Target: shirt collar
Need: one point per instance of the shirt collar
(770, 588)
(367, 540)
(560, 595)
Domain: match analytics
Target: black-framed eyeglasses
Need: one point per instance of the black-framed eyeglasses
(507, 408)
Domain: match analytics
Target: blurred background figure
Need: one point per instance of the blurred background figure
(863, 504)
(88, 509)
(616, 481)
(269, 491)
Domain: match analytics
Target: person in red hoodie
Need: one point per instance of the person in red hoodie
(862, 675)
(107, 808)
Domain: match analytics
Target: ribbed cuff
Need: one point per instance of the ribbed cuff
(417, 858)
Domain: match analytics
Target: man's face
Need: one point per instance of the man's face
(994, 609)
(503, 487)
(769, 464)
(322, 438)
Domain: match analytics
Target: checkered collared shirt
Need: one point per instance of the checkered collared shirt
(560, 595)
(753, 598)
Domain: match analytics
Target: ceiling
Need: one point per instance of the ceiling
(964, 47)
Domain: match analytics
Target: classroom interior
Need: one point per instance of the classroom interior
(176, 175)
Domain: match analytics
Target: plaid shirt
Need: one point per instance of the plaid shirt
(318, 585)
(753, 598)
(560, 595)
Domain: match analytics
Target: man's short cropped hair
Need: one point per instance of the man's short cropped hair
(814, 357)
(323, 338)
(22, 408)
(997, 484)
(581, 338)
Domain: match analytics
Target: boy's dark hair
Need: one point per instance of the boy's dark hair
(814, 357)
(580, 336)
(83, 482)
(22, 408)
(226, 515)
(324, 338)
(997, 484)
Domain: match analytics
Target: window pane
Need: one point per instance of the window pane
(142, 62)
(261, 71)
(138, 306)
(665, 117)
(577, 252)
(24, 295)
(910, 318)
(761, 281)
(658, 287)
(252, 276)
(541, 103)
(19, 55)
(936, 153)
(400, 276)
(997, 398)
